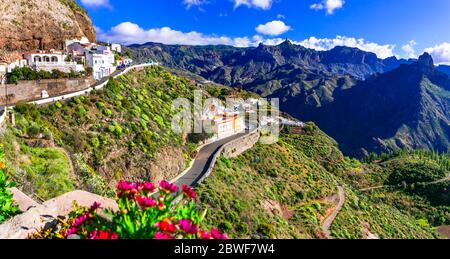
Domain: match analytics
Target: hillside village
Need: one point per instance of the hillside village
(79, 55)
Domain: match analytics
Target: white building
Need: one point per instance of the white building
(222, 122)
(52, 60)
(124, 62)
(116, 47)
(8, 67)
(102, 61)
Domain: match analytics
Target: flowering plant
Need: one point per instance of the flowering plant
(144, 213)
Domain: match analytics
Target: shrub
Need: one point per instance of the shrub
(107, 112)
(140, 216)
(7, 206)
(33, 131)
(58, 105)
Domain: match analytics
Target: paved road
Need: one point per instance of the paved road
(329, 221)
(203, 161)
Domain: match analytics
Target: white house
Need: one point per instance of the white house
(222, 122)
(124, 61)
(49, 61)
(8, 67)
(102, 61)
(116, 47)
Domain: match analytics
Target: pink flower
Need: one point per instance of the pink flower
(162, 236)
(80, 220)
(147, 187)
(168, 187)
(146, 202)
(161, 206)
(189, 192)
(188, 227)
(127, 189)
(204, 235)
(126, 186)
(95, 206)
(217, 235)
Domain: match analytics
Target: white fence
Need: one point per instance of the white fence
(2, 117)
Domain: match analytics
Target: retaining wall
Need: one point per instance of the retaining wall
(32, 90)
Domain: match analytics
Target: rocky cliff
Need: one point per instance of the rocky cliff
(28, 25)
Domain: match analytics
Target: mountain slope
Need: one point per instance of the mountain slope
(120, 132)
(29, 25)
(286, 190)
(247, 66)
(405, 108)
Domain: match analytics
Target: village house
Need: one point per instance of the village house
(8, 67)
(124, 61)
(116, 47)
(52, 60)
(102, 61)
(222, 122)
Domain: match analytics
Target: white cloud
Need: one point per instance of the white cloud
(260, 4)
(273, 28)
(329, 5)
(96, 3)
(382, 51)
(131, 33)
(409, 49)
(190, 3)
(440, 53)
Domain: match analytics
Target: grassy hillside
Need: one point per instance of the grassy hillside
(121, 132)
(286, 190)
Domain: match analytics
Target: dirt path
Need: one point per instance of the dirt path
(329, 221)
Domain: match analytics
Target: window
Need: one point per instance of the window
(37, 59)
(54, 59)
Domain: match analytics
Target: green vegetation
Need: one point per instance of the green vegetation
(73, 5)
(285, 190)
(27, 73)
(35, 165)
(7, 207)
(123, 128)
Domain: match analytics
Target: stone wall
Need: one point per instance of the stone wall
(239, 146)
(32, 90)
(36, 216)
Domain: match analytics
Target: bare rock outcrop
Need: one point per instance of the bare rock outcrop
(29, 25)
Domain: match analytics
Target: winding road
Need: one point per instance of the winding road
(203, 161)
(329, 221)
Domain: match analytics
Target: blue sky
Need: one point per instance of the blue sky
(404, 28)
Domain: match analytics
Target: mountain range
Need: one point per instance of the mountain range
(366, 103)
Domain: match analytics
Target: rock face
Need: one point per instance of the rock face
(35, 217)
(29, 25)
